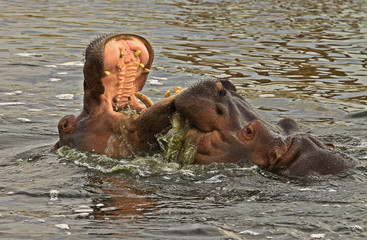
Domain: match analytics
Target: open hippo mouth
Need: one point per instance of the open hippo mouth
(116, 67)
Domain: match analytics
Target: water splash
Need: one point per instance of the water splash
(54, 195)
(142, 166)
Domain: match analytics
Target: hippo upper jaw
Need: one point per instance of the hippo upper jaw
(116, 67)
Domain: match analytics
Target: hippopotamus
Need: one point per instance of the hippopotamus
(226, 129)
(223, 126)
(112, 121)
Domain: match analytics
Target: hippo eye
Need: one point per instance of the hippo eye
(248, 131)
(66, 124)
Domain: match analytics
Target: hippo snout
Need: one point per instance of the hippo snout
(306, 154)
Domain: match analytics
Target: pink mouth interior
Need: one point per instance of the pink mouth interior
(124, 63)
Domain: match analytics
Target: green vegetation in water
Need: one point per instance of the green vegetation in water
(174, 145)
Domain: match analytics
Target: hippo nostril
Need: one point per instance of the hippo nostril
(275, 156)
(66, 124)
(219, 111)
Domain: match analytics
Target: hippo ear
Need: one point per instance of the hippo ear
(228, 85)
(289, 126)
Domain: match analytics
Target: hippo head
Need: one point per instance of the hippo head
(225, 128)
(116, 67)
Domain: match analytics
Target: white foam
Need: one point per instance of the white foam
(24, 120)
(54, 195)
(155, 82)
(267, 95)
(29, 54)
(13, 93)
(55, 79)
(11, 103)
(159, 78)
(74, 63)
(65, 96)
(63, 226)
(250, 232)
(356, 227)
(317, 235)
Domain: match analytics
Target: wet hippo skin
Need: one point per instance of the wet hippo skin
(112, 121)
(226, 129)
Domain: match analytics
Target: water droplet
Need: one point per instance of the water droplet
(25, 120)
(62, 226)
(317, 235)
(53, 195)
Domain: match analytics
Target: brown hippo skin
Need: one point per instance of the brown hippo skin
(225, 128)
(116, 67)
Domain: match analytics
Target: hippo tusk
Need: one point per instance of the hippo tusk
(177, 90)
(168, 94)
(148, 103)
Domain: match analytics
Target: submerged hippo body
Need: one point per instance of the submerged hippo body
(112, 121)
(225, 128)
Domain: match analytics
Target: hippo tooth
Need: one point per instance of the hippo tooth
(168, 94)
(142, 65)
(148, 103)
(146, 70)
(137, 53)
(107, 73)
(118, 66)
(177, 90)
(121, 54)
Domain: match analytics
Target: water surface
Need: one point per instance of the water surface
(300, 59)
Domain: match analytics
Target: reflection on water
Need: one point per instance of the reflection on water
(300, 59)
